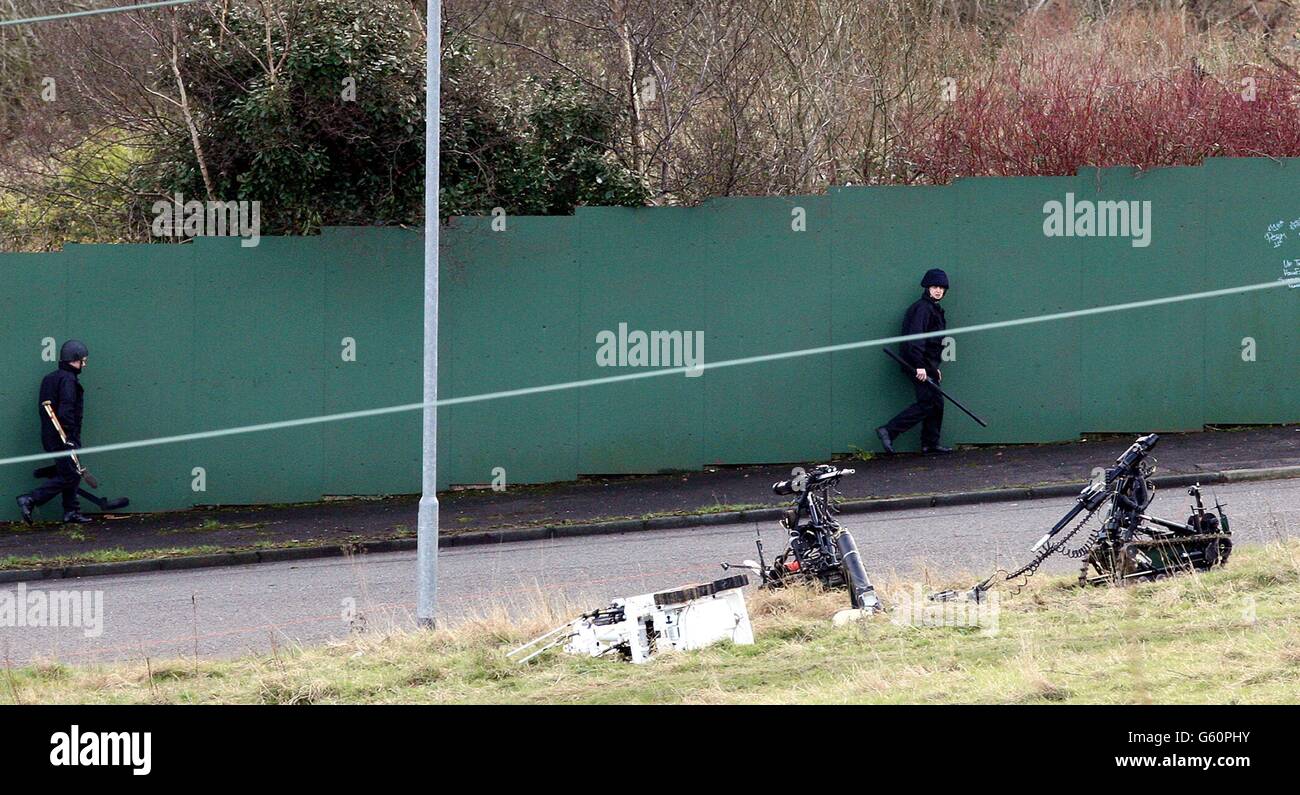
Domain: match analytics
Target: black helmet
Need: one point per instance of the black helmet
(935, 278)
(73, 350)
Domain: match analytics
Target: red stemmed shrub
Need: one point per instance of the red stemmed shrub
(1055, 104)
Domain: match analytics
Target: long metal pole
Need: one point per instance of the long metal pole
(938, 389)
(427, 535)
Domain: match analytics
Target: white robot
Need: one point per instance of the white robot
(638, 627)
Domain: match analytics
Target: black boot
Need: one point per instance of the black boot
(885, 441)
(938, 448)
(76, 517)
(25, 505)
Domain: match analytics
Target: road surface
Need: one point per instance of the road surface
(233, 610)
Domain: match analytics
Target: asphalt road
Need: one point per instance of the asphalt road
(228, 611)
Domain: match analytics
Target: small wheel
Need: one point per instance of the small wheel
(1130, 569)
(1217, 552)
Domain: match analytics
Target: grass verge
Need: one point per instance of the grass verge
(118, 554)
(1229, 636)
(114, 555)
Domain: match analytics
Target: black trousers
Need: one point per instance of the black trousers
(927, 410)
(65, 482)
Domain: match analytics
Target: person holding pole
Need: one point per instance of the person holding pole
(61, 431)
(921, 362)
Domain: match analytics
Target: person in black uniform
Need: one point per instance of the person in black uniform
(64, 391)
(922, 357)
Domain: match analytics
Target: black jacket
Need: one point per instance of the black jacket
(61, 388)
(923, 316)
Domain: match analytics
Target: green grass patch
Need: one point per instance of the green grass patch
(705, 509)
(114, 555)
(213, 525)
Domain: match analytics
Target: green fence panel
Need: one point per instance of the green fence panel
(1023, 379)
(1142, 369)
(509, 320)
(258, 325)
(135, 307)
(1251, 352)
(767, 290)
(640, 271)
(371, 348)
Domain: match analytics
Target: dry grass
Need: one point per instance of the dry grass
(1231, 636)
